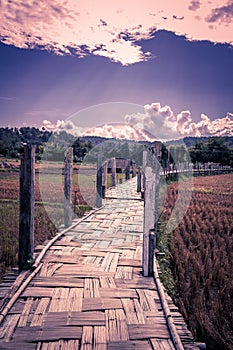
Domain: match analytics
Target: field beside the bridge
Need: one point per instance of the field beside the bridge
(201, 259)
(48, 204)
(48, 214)
(200, 249)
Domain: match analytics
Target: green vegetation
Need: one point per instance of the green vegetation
(55, 144)
(52, 146)
(214, 150)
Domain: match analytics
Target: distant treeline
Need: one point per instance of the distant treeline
(54, 144)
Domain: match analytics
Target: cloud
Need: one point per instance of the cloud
(194, 5)
(156, 123)
(110, 29)
(62, 125)
(165, 125)
(223, 14)
(5, 98)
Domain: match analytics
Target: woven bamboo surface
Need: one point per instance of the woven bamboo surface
(90, 293)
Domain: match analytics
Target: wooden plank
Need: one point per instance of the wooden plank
(143, 300)
(129, 309)
(95, 304)
(37, 292)
(100, 338)
(70, 344)
(129, 262)
(39, 312)
(67, 332)
(143, 331)
(139, 312)
(65, 259)
(48, 269)
(25, 313)
(16, 345)
(57, 282)
(55, 319)
(86, 341)
(164, 344)
(36, 334)
(129, 345)
(124, 272)
(107, 282)
(122, 324)
(118, 293)
(116, 325)
(8, 327)
(75, 299)
(59, 299)
(135, 283)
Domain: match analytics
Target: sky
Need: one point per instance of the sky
(115, 68)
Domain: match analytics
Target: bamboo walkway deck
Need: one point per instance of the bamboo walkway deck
(88, 291)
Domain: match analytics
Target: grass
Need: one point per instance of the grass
(48, 214)
(48, 205)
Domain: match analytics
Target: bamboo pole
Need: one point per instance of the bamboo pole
(171, 326)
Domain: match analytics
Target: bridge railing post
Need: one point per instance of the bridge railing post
(27, 202)
(149, 208)
(127, 170)
(99, 182)
(139, 181)
(104, 179)
(68, 173)
(134, 172)
(113, 170)
(151, 204)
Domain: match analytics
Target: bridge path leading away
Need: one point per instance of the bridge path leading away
(89, 292)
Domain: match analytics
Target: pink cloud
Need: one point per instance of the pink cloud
(110, 29)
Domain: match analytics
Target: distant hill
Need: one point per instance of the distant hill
(189, 141)
(12, 139)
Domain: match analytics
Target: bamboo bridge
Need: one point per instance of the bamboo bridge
(87, 290)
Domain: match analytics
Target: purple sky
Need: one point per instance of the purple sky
(186, 75)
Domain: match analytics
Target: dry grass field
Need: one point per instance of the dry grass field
(201, 259)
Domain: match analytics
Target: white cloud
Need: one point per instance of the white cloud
(156, 123)
(110, 29)
(61, 125)
(164, 124)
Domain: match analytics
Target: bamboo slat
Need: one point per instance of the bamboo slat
(95, 304)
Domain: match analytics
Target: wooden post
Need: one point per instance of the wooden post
(68, 172)
(127, 170)
(134, 172)
(99, 182)
(144, 163)
(139, 180)
(75, 201)
(113, 170)
(105, 176)
(149, 220)
(27, 201)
